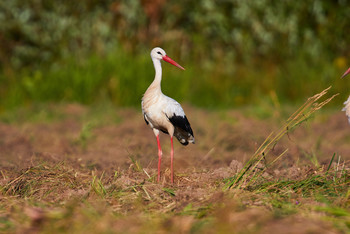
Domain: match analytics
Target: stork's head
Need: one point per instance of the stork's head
(347, 72)
(159, 53)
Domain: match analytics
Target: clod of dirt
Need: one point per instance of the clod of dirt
(236, 166)
(223, 172)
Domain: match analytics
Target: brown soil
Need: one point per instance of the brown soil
(224, 142)
(220, 138)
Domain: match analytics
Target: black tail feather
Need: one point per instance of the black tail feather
(183, 131)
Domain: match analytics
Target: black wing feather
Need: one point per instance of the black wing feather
(144, 116)
(181, 122)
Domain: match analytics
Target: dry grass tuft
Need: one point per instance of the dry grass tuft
(45, 182)
(252, 170)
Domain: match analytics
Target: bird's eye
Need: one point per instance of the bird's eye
(159, 53)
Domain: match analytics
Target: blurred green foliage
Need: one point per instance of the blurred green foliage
(235, 52)
(37, 31)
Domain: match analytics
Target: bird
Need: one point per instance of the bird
(164, 114)
(347, 102)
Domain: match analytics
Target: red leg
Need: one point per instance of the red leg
(159, 157)
(171, 160)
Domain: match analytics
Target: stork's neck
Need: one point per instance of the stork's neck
(158, 77)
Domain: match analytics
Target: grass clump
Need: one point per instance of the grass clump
(42, 182)
(327, 186)
(251, 172)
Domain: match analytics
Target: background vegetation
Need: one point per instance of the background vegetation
(235, 52)
(68, 167)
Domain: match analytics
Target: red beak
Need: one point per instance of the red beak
(347, 72)
(169, 60)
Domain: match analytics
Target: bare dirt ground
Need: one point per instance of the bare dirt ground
(118, 147)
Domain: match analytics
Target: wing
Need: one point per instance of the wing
(182, 123)
(177, 117)
(145, 118)
(143, 113)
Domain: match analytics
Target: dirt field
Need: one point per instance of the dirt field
(73, 168)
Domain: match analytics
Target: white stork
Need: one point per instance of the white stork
(347, 102)
(163, 113)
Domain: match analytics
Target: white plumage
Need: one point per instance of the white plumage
(347, 108)
(347, 102)
(163, 113)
